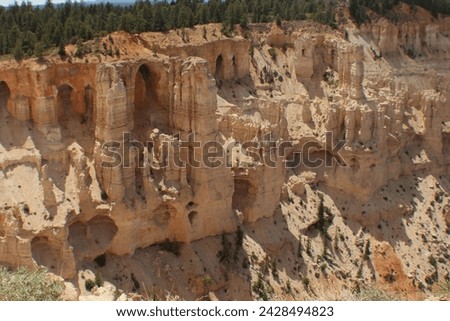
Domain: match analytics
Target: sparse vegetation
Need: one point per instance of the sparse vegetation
(25, 285)
(336, 240)
(239, 237)
(136, 285)
(273, 54)
(273, 268)
(359, 274)
(410, 52)
(239, 243)
(299, 248)
(262, 288)
(443, 288)
(390, 277)
(372, 294)
(308, 247)
(207, 280)
(306, 283)
(439, 197)
(98, 278)
(251, 50)
(323, 224)
(288, 287)
(226, 251)
(367, 251)
(433, 261)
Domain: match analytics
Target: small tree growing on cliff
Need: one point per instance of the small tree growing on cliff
(61, 48)
(18, 51)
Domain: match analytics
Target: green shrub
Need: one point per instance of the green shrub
(239, 237)
(367, 251)
(262, 289)
(251, 50)
(24, 285)
(372, 294)
(433, 261)
(299, 248)
(306, 283)
(411, 54)
(224, 255)
(273, 53)
(136, 285)
(98, 278)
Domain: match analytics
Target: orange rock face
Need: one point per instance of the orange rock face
(170, 140)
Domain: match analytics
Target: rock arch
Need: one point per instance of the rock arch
(162, 214)
(64, 100)
(46, 253)
(93, 238)
(244, 195)
(65, 105)
(150, 112)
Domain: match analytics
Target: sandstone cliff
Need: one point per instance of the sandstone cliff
(382, 89)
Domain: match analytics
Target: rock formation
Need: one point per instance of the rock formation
(108, 156)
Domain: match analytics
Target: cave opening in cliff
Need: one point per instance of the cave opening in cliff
(65, 107)
(316, 159)
(150, 115)
(64, 99)
(193, 219)
(45, 253)
(243, 196)
(5, 93)
(161, 215)
(150, 111)
(92, 238)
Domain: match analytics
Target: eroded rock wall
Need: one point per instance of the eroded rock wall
(107, 157)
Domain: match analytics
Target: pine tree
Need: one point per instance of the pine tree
(243, 20)
(39, 49)
(278, 20)
(24, 25)
(18, 51)
(61, 48)
(159, 22)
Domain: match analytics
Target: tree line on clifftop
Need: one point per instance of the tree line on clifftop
(28, 30)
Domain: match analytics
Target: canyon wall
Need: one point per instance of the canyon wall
(90, 152)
